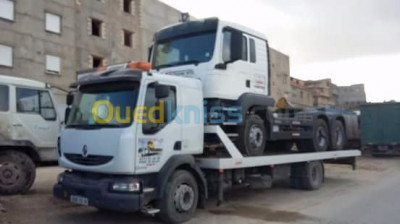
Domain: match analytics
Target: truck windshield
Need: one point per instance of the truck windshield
(185, 50)
(104, 105)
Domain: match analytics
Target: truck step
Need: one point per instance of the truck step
(148, 190)
(232, 135)
(150, 211)
(229, 123)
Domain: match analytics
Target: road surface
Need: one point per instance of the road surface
(369, 195)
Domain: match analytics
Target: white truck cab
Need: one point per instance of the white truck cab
(230, 59)
(107, 148)
(29, 128)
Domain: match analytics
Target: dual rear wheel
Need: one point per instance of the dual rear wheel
(324, 139)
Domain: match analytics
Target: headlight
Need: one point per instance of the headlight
(126, 187)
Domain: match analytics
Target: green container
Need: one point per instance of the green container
(380, 124)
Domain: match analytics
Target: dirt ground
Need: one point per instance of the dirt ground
(367, 195)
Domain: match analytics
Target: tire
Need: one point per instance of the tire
(252, 136)
(320, 140)
(17, 173)
(338, 136)
(307, 176)
(180, 198)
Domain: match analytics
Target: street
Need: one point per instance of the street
(367, 195)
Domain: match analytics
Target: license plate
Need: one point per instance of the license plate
(79, 200)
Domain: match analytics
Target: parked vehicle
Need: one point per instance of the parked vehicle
(380, 128)
(201, 122)
(29, 128)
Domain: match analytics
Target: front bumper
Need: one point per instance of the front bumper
(97, 191)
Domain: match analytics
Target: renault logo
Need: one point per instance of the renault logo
(85, 151)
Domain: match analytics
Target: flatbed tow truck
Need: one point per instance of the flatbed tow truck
(202, 123)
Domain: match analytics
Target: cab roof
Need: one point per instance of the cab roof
(202, 25)
(10, 80)
(114, 75)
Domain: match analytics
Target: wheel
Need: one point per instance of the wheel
(180, 198)
(320, 140)
(307, 176)
(339, 138)
(17, 173)
(252, 136)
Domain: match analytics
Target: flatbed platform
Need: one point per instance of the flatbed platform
(271, 160)
(238, 161)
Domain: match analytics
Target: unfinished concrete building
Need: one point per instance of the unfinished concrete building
(49, 40)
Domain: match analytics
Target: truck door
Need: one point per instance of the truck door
(36, 120)
(237, 76)
(258, 63)
(5, 121)
(159, 131)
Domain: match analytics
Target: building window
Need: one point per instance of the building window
(53, 23)
(127, 6)
(53, 64)
(4, 98)
(128, 38)
(252, 51)
(7, 9)
(97, 27)
(97, 61)
(6, 56)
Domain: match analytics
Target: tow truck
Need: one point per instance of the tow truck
(160, 137)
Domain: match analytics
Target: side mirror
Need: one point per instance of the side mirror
(162, 91)
(70, 99)
(236, 45)
(67, 112)
(150, 52)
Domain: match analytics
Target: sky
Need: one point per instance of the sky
(349, 41)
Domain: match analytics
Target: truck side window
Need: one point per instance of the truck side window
(4, 98)
(27, 101)
(46, 106)
(36, 102)
(156, 111)
(245, 52)
(226, 49)
(252, 51)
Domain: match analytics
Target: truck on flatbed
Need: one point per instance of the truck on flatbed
(159, 138)
(380, 125)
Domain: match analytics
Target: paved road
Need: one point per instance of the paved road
(369, 195)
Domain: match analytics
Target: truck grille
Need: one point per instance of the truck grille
(91, 160)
